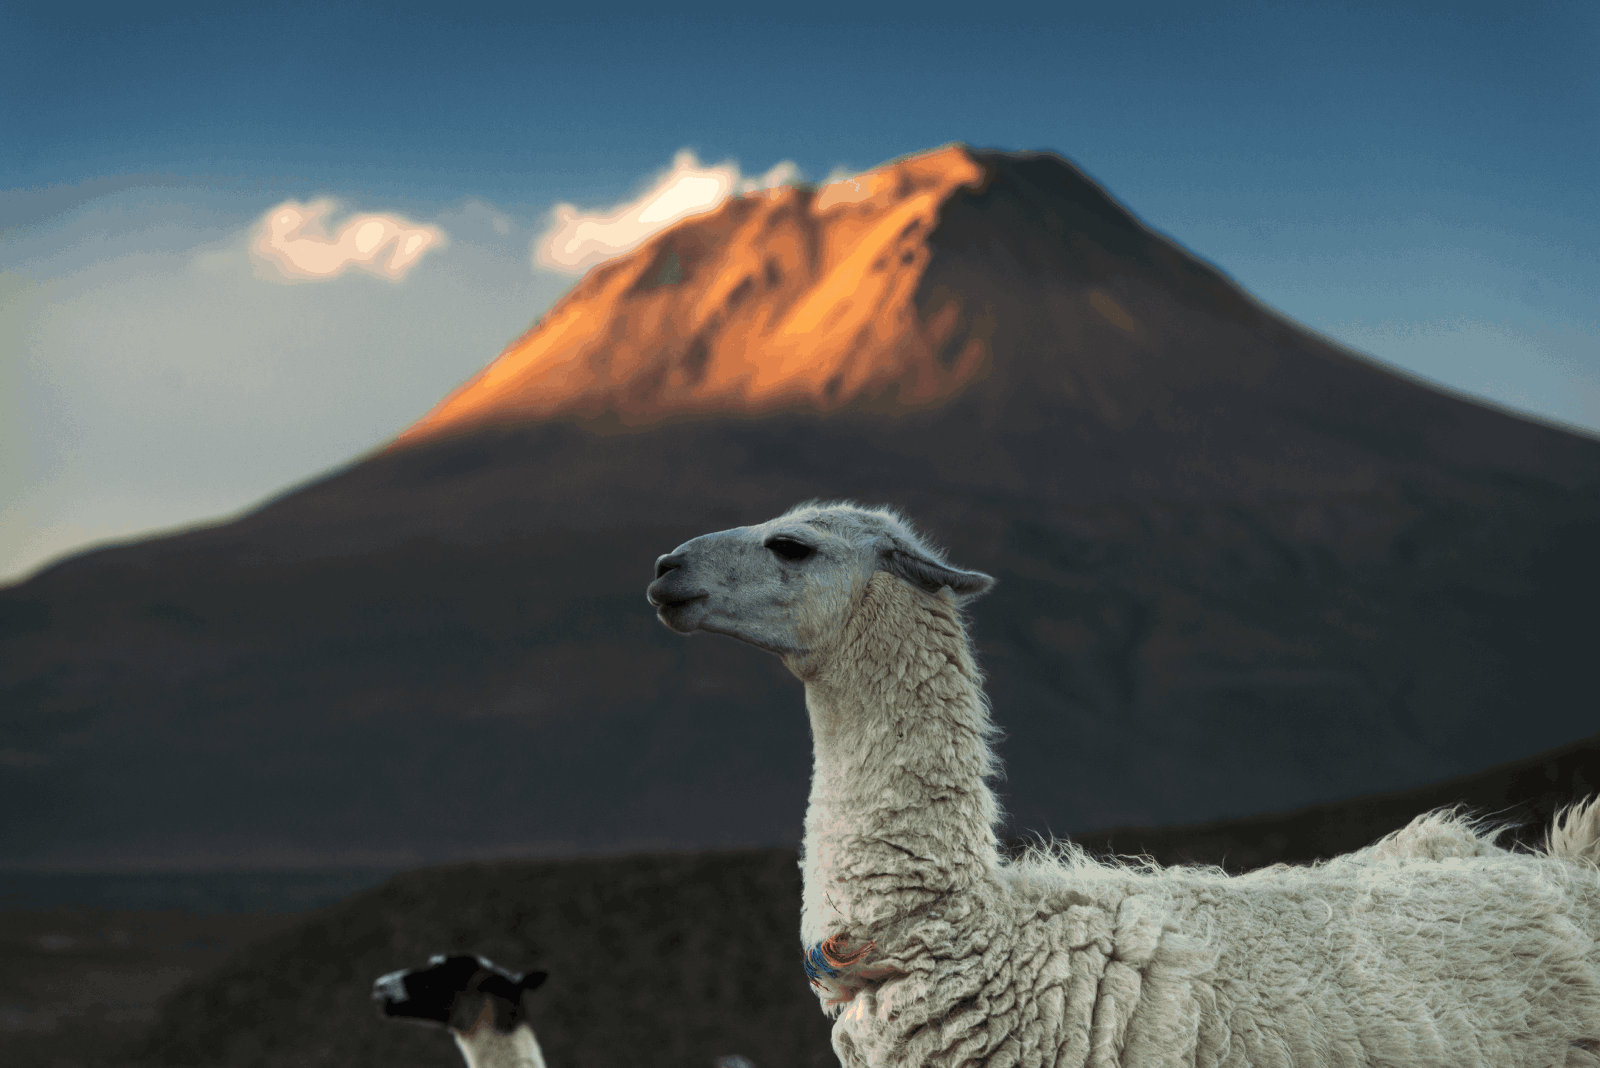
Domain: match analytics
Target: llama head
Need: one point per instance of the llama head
(790, 584)
(457, 992)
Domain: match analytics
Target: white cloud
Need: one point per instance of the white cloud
(293, 239)
(579, 241)
(150, 377)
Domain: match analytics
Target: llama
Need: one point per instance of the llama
(480, 1003)
(1434, 946)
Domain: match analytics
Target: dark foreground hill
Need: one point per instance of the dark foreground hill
(654, 960)
(674, 960)
(688, 957)
(1241, 569)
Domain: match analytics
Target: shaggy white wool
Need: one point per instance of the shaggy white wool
(1576, 832)
(485, 1046)
(1432, 947)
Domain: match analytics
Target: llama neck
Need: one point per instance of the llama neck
(484, 1047)
(900, 815)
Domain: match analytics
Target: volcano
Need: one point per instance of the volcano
(1241, 568)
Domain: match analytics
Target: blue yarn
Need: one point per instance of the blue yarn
(817, 965)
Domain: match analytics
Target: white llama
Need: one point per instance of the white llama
(1433, 947)
(480, 1003)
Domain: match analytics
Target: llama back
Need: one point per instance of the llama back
(1438, 835)
(1398, 961)
(1573, 845)
(1575, 834)
(1462, 961)
(1434, 945)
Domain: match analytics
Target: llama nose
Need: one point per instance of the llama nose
(391, 987)
(667, 588)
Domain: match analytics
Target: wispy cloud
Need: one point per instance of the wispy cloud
(579, 241)
(151, 375)
(293, 239)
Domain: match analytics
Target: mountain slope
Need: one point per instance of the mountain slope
(1241, 569)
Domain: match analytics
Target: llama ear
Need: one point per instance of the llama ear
(525, 986)
(928, 574)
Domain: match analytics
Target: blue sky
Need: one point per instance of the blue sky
(1417, 180)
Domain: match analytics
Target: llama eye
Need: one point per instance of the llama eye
(790, 549)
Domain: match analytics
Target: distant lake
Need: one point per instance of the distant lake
(200, 893)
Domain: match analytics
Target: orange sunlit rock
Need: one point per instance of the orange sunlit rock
(782, 298)
(579, 242)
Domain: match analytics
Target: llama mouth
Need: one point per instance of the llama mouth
(682, 614)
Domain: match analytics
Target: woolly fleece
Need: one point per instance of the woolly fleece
(1433, 947)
